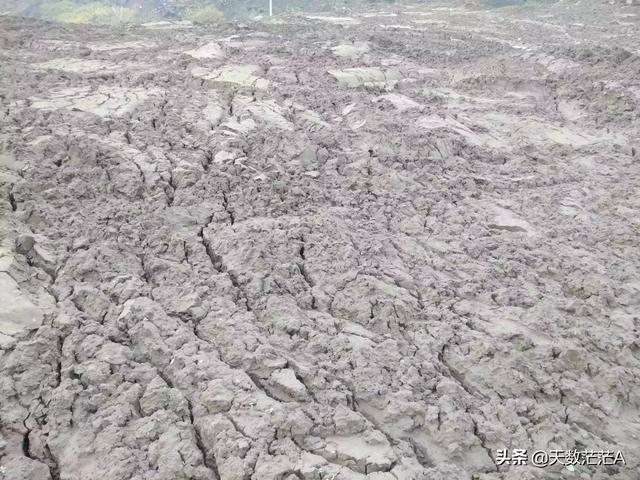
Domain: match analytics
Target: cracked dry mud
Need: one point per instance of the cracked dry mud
(378, 246)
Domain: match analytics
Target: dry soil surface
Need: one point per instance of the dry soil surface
(381, 246)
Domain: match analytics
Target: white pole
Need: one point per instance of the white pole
(271, 8)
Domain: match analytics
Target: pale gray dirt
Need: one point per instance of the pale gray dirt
(383, 245)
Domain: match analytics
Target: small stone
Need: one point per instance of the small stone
(24, 244)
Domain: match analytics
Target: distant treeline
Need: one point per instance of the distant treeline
(198, 11)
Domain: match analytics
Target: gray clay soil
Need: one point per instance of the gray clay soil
(381, 246)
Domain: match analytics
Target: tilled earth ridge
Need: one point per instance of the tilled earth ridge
(383, 246)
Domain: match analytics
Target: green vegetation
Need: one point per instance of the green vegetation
(196, 11)
(68, 11)
(101, 12)
(204, 14)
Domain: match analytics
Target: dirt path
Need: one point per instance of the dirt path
(385, 246)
